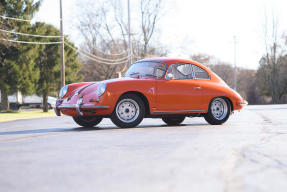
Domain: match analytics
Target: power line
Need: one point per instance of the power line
(112, 54)
(93, 59)
(16, 19)
(96, 57)
(31, 35)
(28, 42)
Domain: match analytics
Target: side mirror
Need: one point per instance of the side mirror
(169, 76)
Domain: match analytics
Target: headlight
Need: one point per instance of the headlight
(63, 91)
(101, 89)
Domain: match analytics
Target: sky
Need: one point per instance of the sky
(189, 27)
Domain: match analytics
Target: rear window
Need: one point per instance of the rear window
(200, 73)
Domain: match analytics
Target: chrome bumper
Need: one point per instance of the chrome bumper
(244, 103)
(79, 107)
(57, 111)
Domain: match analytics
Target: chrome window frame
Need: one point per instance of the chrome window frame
(165, 69)
(209, 77)
(192, 72)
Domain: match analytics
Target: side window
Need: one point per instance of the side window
(200, 73)
(159, 72)
(181, 71)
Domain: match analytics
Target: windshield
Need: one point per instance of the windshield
(146, 69)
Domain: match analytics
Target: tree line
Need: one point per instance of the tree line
(31, 68)
(267, 84)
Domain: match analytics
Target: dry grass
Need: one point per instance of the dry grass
(24, 114)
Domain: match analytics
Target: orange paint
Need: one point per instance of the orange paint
(192, 95)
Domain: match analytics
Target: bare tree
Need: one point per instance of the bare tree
(150, 11)
(247, 84)
(105, 31)
(272, 63)
(101, 40)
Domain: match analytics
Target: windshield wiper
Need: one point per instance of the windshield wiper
(135, 73)
(149, 75)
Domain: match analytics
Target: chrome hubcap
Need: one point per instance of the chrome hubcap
(219, 108)
(127, 110)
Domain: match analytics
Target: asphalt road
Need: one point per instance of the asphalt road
(248, 153)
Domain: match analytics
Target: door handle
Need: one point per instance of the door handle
(197, 88)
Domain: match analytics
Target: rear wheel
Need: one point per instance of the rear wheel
(129, 111)
(87, 121)
(172, 121)
(218, 112)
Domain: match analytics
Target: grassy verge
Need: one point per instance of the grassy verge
(25, 114)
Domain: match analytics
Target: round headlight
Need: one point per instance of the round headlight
(101, 89)
(63, 91)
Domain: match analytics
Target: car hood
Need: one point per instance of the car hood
(91, 88)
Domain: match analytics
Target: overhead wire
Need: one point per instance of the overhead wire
(29, 42)
(96, 57)
(28, 34)
(16, 19)
(86, 54)
(93, 59)
(112, 54)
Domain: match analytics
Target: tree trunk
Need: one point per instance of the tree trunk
(4, 101)
(45, 101)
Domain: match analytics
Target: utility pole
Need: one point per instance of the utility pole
(62, 47)
(235, 69)
(130, 46)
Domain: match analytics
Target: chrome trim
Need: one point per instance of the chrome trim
(182, 111)
(243, 103)
(94, 107)
(66, 107)
(79, 110)
(84, 107)
(82, 88)
(56, 111)
(78, 105)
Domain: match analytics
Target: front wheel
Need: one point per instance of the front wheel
(129, 111)
(218, 111)
(87, 121)
(173, 121)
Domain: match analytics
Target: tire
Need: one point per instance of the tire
(218, 111)
(173, 121)
(129, 111)
(87, 121)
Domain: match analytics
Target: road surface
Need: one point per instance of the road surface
(248, 153)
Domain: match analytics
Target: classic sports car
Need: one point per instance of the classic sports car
(166, 88)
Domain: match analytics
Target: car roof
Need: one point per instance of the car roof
(170, 61)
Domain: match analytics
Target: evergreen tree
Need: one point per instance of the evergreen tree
(17, 69)
(48, 63)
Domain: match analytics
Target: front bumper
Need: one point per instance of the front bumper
(243, 103)
(80, 108)
(240, 104)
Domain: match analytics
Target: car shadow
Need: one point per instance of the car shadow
(80, 129)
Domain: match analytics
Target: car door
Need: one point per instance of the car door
(179, 91)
